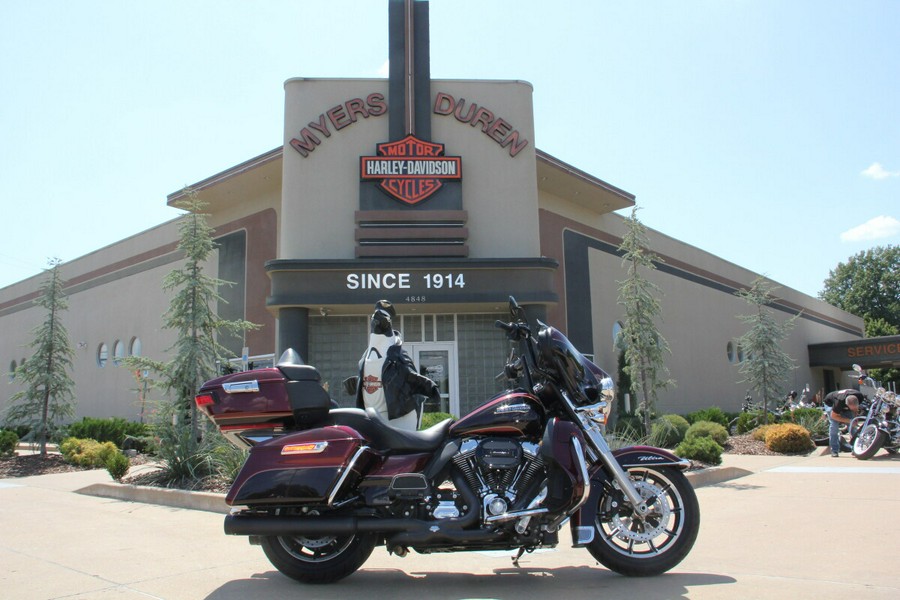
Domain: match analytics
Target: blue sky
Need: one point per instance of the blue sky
(764, 131)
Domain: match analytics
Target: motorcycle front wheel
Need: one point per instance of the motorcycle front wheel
(868, 442)
(642, 546)
(318, 560)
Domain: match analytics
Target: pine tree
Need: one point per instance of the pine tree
(645, 348)
(48, 397)
(193, 319)
(766, 366)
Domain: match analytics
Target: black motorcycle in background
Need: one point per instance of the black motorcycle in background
(877, 427)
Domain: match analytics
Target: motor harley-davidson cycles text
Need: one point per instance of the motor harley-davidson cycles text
(323, 486)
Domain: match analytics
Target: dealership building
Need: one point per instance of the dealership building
(431, 194)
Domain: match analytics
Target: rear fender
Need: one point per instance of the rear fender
(582, 521)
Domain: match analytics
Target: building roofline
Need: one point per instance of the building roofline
(234, 171)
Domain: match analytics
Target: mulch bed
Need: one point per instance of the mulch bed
(26, 465)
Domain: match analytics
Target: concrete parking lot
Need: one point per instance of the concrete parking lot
(790, 527)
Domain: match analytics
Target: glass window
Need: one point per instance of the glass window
(102, 355)
(118, 352)
(618, 343)
(135, 347)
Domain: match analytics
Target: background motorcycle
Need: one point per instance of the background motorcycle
(879, 427)
(321, 488)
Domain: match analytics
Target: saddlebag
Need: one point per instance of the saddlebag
(309, 467)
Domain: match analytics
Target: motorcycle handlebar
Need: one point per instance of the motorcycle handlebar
(515, 331)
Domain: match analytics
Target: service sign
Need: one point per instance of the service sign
(410, 170)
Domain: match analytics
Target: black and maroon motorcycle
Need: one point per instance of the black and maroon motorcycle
(323, 486)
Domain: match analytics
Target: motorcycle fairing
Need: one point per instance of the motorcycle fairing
(582, 521)
(567, 482)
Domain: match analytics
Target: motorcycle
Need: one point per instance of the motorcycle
(880, 427)
(321, 487)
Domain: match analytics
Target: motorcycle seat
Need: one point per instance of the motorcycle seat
(384, 437)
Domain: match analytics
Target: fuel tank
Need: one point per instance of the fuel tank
(510, 413)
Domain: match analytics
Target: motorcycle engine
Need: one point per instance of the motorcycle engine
(501, 471)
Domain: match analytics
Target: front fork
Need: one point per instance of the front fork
(600, 448)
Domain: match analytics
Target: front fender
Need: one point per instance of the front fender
(638, 456)
(582, 521)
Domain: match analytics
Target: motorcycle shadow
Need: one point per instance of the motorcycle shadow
(503, 583)
(884, 455)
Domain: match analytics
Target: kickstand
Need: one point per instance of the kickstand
(517, 557)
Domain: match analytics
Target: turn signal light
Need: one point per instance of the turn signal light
(308, 448)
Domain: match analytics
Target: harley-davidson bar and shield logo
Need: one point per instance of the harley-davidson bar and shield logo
(410, 169)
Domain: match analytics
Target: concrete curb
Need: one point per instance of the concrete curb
(714, 475)
(211, 502)
(207, 501)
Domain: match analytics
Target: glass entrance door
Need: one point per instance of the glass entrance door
(437, 361)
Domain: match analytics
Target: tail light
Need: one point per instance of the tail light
(204, 400)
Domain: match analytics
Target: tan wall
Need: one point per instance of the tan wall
(112, 296)
(697, 321)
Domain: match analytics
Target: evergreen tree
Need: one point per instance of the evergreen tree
(645, 348)
(47, 397)
(766, 366)
(193, 319)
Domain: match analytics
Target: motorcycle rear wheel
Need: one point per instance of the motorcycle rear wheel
(868, 442)
(640, 547)
(318, 560)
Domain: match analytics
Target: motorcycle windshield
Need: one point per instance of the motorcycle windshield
(574, 367)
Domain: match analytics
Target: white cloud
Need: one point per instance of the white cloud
(873, 229)
(877, 171)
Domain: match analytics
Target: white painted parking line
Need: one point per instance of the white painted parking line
(862, 470)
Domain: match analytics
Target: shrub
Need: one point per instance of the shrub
(813, 420)
(788, 438)
(113, 429)
(708, 429)
(117, 465)
(668, 430)
(227, 459)
(713, 414)
(748, 421)
(805, 414)
(87, 453)
(8, 442)
(431, 419)
(759, 434)
(704, 449)
(628, 425)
